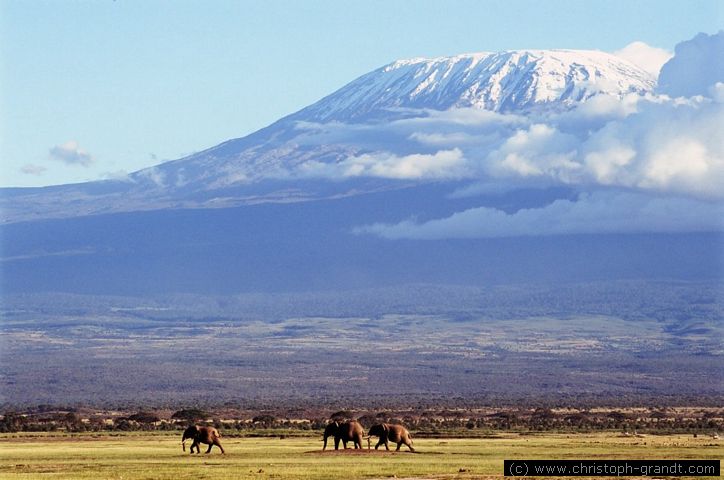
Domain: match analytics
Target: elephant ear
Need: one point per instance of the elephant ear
(386, 428)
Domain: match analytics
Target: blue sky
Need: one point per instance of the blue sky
(116, 86)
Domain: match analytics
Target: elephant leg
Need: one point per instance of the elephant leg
(336, 443)
(398, 447)
(209, 449)
(379, 443)
(344, 443)
(195, 445)
(218, 444)
(387, 445)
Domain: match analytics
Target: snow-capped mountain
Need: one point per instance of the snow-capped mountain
(505, 81)
(530, 81)
(514, 81)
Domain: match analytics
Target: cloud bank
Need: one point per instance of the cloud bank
(695, 67)
(655, 144)
(595, 213)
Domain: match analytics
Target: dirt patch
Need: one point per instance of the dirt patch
(353, 451)
(444, 476)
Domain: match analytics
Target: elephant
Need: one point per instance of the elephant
(390, 433)
(208, 435)
(345, 431)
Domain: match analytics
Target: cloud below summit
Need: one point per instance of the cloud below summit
(442, 164)
(596, 213)
(655, 144)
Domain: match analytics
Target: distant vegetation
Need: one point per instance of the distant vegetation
(424, 422)
(607, 343)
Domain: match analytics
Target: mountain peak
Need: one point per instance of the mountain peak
(515, 80)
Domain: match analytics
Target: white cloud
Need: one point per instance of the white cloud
(607, 163)
(116, 175)
(538, 150)
(607, 107)
(31, 169)
(70, 153)
(649, 58)
(458, 138)
(716, 92)
(468, 117)
(441, 164)
(152, 174)
(595, 213)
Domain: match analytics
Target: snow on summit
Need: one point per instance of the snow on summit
(504, 81)
(512, 81)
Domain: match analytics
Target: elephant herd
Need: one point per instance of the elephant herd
(352, 431)
(344, 432)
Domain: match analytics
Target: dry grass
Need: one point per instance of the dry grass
(159, 456)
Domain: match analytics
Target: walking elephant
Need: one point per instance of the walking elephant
(207, 435)
(344, 431)
(390, 433)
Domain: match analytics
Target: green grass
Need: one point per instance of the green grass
(159, 456)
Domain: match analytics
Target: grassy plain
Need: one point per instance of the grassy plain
(159, 456)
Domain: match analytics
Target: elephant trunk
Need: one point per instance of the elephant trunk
(325, 442)
(186, 436)
(188, 433)
(368, 443)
